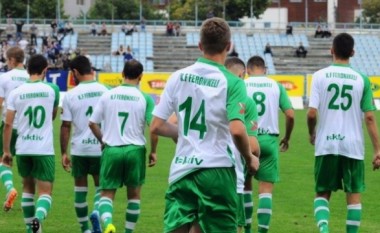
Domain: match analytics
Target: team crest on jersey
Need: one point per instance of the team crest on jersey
(242, 108)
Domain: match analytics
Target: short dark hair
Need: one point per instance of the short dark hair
(256, 61)
(82, 64)
(132, 69)
(232, 61)
(36, 65)
(343, 46)
(215, 35)
(17, 53)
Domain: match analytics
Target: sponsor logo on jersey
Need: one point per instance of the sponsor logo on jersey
(188, 160)
(335, 137)
(288, 85)
(157, 84)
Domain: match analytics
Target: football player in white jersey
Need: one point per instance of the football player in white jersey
(339, 98)
(36, 104)
(78, 105)
(269, 96)
(8, 82)
(123, 112)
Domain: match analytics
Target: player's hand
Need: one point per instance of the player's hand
(7, 159)
(284, 144)
(152, 159)
(253, 165)
(376, 161)
(66, 163)
(312, 139)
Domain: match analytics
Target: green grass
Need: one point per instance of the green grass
(293, 196)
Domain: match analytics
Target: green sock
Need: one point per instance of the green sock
(248, 208)
(264, 212)
(81, 207)
(96, 199)
(105, 210)
(132, 215)
(6, 176)
(43, 206)
(27, 205)
(354, 215)
(321, 211)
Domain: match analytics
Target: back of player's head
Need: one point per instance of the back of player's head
(132, 69)
(343, 46)
(81, 64)
(16, 53)
(236, 66)
(256, 61)
(215, 36)
(37, 64)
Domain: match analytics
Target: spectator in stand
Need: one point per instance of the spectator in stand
(93, 29)
(268, 49)
(326, 32)
(177, 29)
(128, 55)
(33, 34)
(61, 28)
(103, 30)
(23, 44)
(123, 28)
(318, 32)
(210, 14)
(129, 29)
(142, 24)
(19, 26)
(9, 31)
(169, 29)
(121, 51)
(301, 51)
(32, 50)
(53, 26)
(289, 29)
(69, 27)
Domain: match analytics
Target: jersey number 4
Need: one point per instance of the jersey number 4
(343, 94)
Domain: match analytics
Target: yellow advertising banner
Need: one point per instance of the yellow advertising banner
(154, 83)
(110, 79)
(309, 77)
(294, 84)
(375, 85)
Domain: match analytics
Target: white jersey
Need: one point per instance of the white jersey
(77, 107)
(33, 103)
(10, 81)
(124, 112)
(269, 97)
(205, 97)
(341, 95)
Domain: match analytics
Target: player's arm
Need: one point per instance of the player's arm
(287, 108)
(1, 103)
(370, 121)
(251, 117)
(56, 99)
(95, 128)
(312, 123)
(7, 135)
(64, 140)
(254, 144)
(95, 120)
(164, 128)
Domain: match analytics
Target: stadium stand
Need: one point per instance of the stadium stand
(367, 54)
(70, 41)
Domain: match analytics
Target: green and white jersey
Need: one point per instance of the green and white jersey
(251, 127)
(10, 81)
(34, 103)
(123, 112)
(341, 95)
(77, 107)
(205, 97)
(269, 96)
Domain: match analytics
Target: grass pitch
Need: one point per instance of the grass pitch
(292, 199)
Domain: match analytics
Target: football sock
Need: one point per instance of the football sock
(96, 199)
(264, 212)
(81, 207)
(353, 218)
(105, 210)
(321, 211)
(27, 205)
(6, 176)
(43, 206)
(248, 208)
(132, 215)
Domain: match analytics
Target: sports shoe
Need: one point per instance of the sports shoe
(110, 228)
(11, 197)
(324, 228)
(94, 219)
(36, 226)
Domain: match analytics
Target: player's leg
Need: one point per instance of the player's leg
(6, 174)
(353, 179)
(328, 178)
(106, 209)
(264, 206)
(95, 216)
(248, 203)
(133, 208)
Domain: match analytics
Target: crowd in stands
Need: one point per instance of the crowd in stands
(173, 29)
(322, 32)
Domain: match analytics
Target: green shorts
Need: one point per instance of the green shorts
(85, 165)
(241, 211)
(40, 167)
(122, 165)
(207, 196)
(333, 172)
(269, 167)
(13, 140)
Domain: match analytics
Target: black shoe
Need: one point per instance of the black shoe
(35, 225)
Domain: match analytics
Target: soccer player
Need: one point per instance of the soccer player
(339, 97)
(244, 181)
(36, 104)
(209, 102)
(269, 97)
(78, 105)
(123, 112)
(8, 82)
